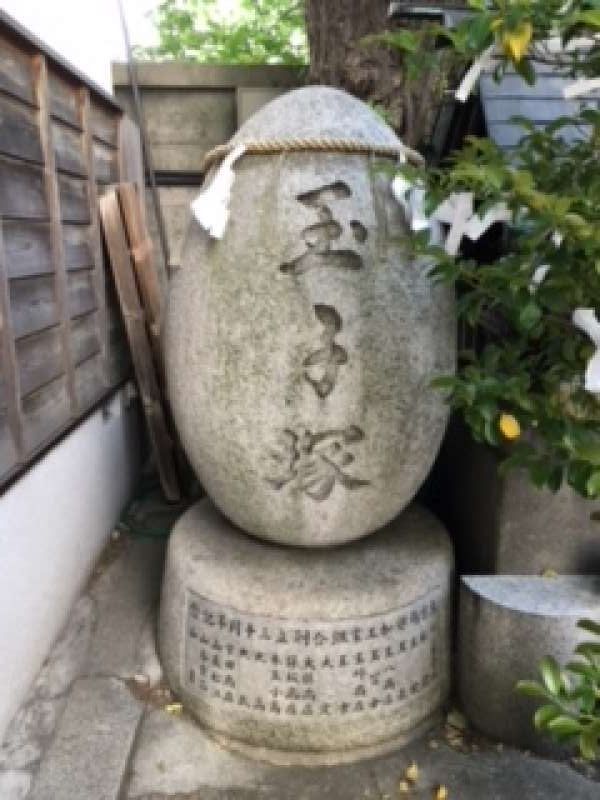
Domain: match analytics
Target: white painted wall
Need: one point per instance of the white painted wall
(54, 521)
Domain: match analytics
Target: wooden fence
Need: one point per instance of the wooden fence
(62, 347)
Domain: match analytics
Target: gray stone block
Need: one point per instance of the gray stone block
(486, 774)
(126, 598)
(184, 124)
(249, 100)
(89, 754)
(175, 202)
(173, 755)
(507, 624)
(505, 525)
(300, 348)
(68, 657)
(304, 656)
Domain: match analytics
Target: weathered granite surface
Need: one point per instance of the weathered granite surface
(172, 758)
(503, 524)
(89, 754)
(300, 348)
(507, 624)
(321, 655)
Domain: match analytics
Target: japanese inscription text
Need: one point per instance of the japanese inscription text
(318, 668)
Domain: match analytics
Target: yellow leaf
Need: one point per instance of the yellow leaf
(174, 708)
(441, 793)
(516, 42)
(404, 787)
(549, 573)
(412, 773)
(509, 427)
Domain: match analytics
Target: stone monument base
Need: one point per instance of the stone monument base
(507, 624)
(308, 656)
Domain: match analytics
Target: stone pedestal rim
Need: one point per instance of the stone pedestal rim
(324, 758)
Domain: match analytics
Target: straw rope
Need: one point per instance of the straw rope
(275, 146)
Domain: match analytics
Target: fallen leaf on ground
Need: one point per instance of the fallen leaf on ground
(457, 720)
(441, 793)
(174, 708)
(412, 773)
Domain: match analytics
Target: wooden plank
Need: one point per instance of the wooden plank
(89, 382)
(95, 236)
(56, 203)
(8, 452)
(19, 133)
(63, 99)
(118, 358)
(142, 253)
(34, 304)
(45, 413)
(74, 199)
(131, 161)
(11, 435)
(106, 164)
(16, 76)
(22, 190)
(78, 246)
(104, 123)
(28, 248)
(118, 250)
(503, 108)
(84, 338)
(81, 296)
(68, 150)
(39, 359)
(506, 135)
(546, 87)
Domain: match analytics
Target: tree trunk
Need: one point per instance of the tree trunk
(340, 57)
(335, 29)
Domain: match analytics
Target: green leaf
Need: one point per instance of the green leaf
(588, 745)
(543, 716)
(593, 484)
(590, 18)
(590, 626)
(584, 670)
(529, 316)
(533, 689)
(588, 649)
(564, 726)
(525, 69)
(550, 672)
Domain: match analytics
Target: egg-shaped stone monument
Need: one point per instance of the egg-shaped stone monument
(300, 347)
(300, 350)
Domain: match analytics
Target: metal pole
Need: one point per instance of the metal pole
(139, 112)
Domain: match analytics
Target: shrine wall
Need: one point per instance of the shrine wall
(188, 110)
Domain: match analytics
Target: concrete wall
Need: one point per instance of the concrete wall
(188, 110)
(52, 534)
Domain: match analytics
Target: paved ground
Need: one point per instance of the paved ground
(100, 725)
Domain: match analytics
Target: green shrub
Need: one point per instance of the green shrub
(572, 696)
